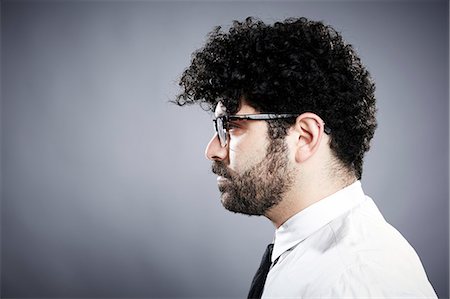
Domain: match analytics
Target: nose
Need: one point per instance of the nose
(214, 150)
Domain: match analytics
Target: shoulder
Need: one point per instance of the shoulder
(369, 280)
(377, 260)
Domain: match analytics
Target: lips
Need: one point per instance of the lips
(221, 179)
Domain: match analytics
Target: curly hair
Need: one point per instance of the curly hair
(293, 66)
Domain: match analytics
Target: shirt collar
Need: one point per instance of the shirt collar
(307, 221)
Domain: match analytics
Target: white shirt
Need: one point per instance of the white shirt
(342, 247)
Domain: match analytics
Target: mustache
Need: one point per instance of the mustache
(220, 169)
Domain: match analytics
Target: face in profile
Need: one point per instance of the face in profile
(251, 180)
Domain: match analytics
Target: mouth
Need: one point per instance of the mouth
(223, 184)
(220, 170)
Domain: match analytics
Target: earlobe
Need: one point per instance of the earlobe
(303, 151)
(309, 128)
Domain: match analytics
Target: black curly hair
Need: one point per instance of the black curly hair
(293, 66)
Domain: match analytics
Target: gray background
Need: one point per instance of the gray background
(106, 191)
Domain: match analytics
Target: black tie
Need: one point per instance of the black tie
(257, 286)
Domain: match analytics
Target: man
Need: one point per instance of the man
(294, 116)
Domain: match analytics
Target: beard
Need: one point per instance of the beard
(260, 187)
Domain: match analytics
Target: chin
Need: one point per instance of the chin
(227, 202)
(224, 199)
(230, 204)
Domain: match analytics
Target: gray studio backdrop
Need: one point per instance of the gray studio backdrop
(106, 191)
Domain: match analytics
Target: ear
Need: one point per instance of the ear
(309, 130)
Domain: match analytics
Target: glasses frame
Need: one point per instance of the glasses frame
(221, 122)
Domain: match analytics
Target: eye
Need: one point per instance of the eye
(233, 125)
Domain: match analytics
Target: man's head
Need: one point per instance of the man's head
(298, 67)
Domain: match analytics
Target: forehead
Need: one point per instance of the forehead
(244, 109)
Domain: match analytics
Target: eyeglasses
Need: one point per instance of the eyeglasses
(221, 123)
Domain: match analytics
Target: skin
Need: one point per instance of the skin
(309, 156)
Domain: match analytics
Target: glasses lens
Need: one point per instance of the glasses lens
(221, 131)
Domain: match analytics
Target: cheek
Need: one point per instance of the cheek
(246, 152)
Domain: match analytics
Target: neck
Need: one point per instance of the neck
(298, 199)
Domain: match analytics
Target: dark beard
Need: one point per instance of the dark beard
(259, 188)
